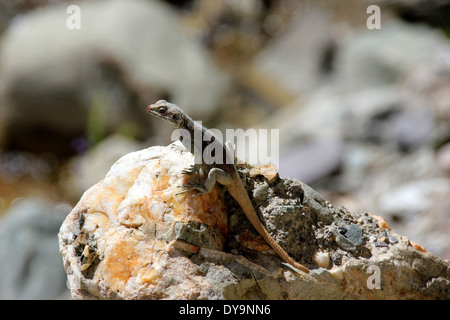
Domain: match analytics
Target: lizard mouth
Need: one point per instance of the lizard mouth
(153, 109)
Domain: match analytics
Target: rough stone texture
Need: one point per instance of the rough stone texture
(132, 237)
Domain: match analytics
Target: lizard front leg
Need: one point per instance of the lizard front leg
(195, 168)
(214, 175)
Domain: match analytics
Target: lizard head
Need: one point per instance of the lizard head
(167, 111)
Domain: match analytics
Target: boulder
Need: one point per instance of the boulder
(133, 236)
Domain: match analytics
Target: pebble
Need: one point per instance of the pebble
(322, 258)
(393, 240)
(381, 244)
(355, 234)
(261, 192)
(344, 243)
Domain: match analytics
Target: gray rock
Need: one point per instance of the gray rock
(312, 161)
(414, 197)
(387, 116)
(369, 59)
(261, 192)
(198, 234)
(11, 9)
(318, 205)
(31, 265)
(381, 244)
(410, 128)
(345, 243)
(393, 240)
(418, 207)
(281, 217)
(355, 234)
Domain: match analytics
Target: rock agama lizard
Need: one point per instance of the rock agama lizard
(224, 172)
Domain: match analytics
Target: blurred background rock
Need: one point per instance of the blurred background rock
(364, 115)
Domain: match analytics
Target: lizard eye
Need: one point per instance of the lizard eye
(162, 109)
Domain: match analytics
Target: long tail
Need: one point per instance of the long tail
(246, 205)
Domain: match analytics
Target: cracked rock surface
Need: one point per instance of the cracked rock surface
(132, 237)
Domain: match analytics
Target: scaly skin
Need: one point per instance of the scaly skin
(224, 172)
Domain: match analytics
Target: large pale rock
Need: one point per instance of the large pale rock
(132, 237)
